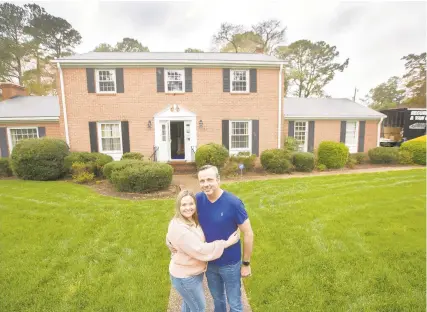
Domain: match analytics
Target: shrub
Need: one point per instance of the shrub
(82, 172)
(96, 160)
(211, 154)
(420, 138)
(132, 155)
(276, 161)
(230, 169)
(351, 162)
(5, 170)
(360, 158)
(39, 159)
(303, 161)
(321, 167)
(333, 155)
(405, 157)
(383, 155)
(418, 150)
(291, 144)
(120, 165)
(244, 158)
(150, 177)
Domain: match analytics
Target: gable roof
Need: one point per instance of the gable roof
(327, 108)
(169, 58)
(30, 108)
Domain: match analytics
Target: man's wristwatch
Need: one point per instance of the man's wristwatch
(246, 263)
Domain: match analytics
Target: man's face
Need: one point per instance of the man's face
(208, 181)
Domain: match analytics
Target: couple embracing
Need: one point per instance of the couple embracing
(204, 238)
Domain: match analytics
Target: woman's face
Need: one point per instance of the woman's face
(188, 207)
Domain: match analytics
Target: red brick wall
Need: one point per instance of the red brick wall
(140, 101)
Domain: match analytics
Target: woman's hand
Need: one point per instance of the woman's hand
(234, 238)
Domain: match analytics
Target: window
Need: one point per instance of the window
(175, 80)
(351, 136)
(300, 134)
(239, 80)
(106, 81)
(110, 137)
(17, 134)
(240, 138)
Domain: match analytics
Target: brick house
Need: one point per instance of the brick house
(313, 120)
(164, 105)
(23, 116)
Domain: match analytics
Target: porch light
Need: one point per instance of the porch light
(149, 124)
(201, 123)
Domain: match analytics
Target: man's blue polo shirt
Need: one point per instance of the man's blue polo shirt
(219, 220)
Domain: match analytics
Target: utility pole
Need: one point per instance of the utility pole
(354, 96)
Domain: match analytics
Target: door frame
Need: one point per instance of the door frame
(356, 145)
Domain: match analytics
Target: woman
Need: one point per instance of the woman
(189, 263)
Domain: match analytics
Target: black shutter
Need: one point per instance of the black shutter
(188, 80)
(93, 137)
(291, 125)
(226, 79)
(225, 134)
(90, 77)
(42, 132)
(310, 146)
(253, 80)
(361, 144)
(160, 79)
(342, 132)
(120, 80)
(125, 137)
(255, 137)
(3, 143)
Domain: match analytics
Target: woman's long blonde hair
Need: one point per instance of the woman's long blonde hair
(178, 214)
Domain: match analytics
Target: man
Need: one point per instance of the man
(220, 214)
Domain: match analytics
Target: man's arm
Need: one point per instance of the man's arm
(248, 242)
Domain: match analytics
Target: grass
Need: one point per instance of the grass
(335, 243)
(338, 243)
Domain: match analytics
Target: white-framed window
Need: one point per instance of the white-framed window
(17, 134)
(301, 134)
(239, 80)
(175, 80)
(105, 81)
(351, 135)
(110, 137)
(240, 136)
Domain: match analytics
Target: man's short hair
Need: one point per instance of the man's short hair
(206, 167)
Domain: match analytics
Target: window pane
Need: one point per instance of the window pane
(110, 137)
(239, 134)
(174, 85)
(351, 133)
(175, 80)
(106, 80)
(299, 134)
(20, 134)
(239, 81)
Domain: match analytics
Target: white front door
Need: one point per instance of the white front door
(351, 136)
(165, 141)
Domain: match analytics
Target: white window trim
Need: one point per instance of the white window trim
(97, 80)
(248, 80)
(230, 130)
(101, 150)
(357, 134)
(166, 79)
(306, 133)
(9, 135)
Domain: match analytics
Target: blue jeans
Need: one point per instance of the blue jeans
(191, 291)
(224, 280)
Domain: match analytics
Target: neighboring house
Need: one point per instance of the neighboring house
(313, 120)
(23, 117)
(164, 105)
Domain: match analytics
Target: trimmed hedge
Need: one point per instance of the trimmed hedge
(244, 158)
(405, 157)
(303, 161)
(211, 154)
(359, 158)
(39, 159)
(417, 149)
(333, 155)
(132, 155)
(276, 161)
(149, 177)
(82, 172)
(383, 155)
(97, 161)
(230, 169)
(120, 165)
(5, 170)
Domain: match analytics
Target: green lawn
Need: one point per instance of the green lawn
(335, 243)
